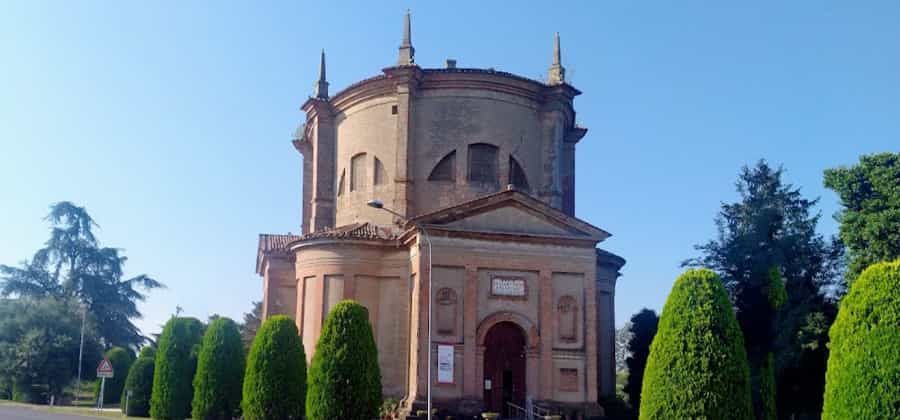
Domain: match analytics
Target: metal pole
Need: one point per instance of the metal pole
(80, 350)
(430, 299)
(100, 401)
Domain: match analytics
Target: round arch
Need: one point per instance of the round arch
(532, 338)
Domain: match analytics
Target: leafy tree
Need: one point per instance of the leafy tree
(72, 264)
(771, 230)
(173, 372)
(643, 329)
(870, 219)
(863, 379)
(697, 367)
(252, 320)
(275, 382)
(39, 342)
(623, 336)
(220, 372)
(121, 361)
(140, 383)
(344, 377)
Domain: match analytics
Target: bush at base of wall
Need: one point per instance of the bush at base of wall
(344, 376)
(275, 380)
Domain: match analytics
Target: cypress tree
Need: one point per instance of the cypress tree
(176, 363)
(220, 372)
(275, 382)
(344, 377)
(643, 329)
(140, 383)
(121, 361)
(863, 376)
(697, 366)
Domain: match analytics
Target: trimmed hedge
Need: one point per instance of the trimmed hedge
(863, 376)
(121, 361)
(176, 363)
(220, 372)
(140, 383)
(697, 366)
(344, 377)
(275, 382)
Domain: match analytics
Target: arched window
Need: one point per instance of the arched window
(516, 175)
(483, 163)
(358, 172)
(567, 318)
(380, 173)
(341, 184)
(445, 170)
(446, 311)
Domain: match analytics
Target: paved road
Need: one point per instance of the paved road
(24, 413)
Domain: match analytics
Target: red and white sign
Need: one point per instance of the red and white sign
(104, 369)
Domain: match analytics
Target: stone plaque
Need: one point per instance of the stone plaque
(568, 380)
(508, 286)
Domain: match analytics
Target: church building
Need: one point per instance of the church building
(443, 200)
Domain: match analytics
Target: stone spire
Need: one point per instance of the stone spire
(407, 52)
(557, 74)
(322, 84)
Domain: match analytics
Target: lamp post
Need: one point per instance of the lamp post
(81, 348)
(379, 205)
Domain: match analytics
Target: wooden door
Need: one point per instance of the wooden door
(504, 367)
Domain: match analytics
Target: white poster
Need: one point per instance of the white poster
(445, 364)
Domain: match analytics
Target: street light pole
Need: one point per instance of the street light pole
(81, 349)
(379, 205)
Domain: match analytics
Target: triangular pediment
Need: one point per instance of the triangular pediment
(511, 212)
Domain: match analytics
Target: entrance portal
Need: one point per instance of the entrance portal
(504, 367)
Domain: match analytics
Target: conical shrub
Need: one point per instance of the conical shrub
(275, 381)
(344, 377)
(220, 372)
(173, 373)
(863, 376)
(697, 367)
(140, 384)
(121, 361)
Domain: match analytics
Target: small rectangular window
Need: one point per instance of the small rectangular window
(393, 109)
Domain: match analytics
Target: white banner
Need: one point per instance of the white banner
(445, 364)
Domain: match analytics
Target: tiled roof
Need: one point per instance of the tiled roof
(483, 71)
(269, 242)
(365, 231)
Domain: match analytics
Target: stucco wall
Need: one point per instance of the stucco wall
(368, 128)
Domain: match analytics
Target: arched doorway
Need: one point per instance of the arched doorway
(504, 367)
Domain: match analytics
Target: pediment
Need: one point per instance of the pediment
(511, 212)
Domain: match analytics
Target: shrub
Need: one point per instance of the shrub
(220, 372)
(697, 366)
(140, 383)
(275, 382)
(121, 361)
(173, 372)
(344, 378)
(863, 376)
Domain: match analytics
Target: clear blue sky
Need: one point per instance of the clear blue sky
(171, 121)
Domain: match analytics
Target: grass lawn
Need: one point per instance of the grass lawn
(89, 412)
